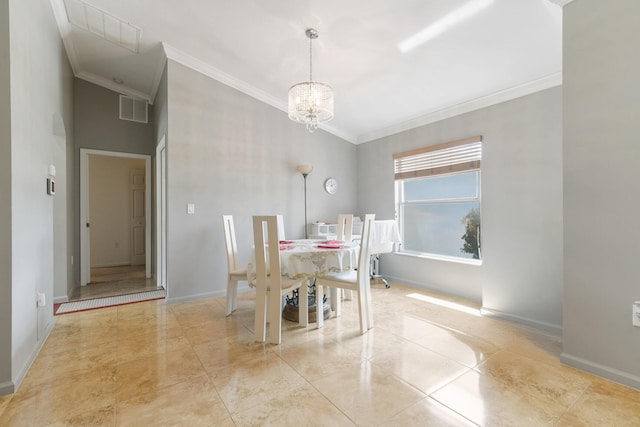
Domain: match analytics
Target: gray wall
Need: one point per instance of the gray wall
(40, 83)
(98, 127)
(521, 273)
(231, 154)
(602, 187)
(6, 384)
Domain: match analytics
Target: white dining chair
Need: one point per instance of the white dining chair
(344, 232)
(271, 285)
(357, 281)
(235, 273)
(281, 233)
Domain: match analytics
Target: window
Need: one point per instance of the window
(438, 198)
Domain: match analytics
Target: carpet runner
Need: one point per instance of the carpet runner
(91, 304)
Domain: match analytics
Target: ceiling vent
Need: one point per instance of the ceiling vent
(103, 24)
(133, 109)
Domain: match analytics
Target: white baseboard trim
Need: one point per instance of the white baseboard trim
(7, 387)
(550, 328)
(607, 372)
(32, 357)
(60, 300)
(112, 264)
(195, 297)
(427, 287)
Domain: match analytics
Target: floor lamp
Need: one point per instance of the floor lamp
(305, 170)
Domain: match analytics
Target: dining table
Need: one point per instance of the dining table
(312, 258)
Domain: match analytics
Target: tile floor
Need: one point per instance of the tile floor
(151, 364)
(112, 281)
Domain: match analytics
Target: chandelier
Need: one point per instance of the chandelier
(311, 102)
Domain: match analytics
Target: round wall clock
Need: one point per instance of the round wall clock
(331, 185)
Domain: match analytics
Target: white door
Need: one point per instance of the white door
(138, 216)
(85, 234)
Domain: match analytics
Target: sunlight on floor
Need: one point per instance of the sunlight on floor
(447, 304)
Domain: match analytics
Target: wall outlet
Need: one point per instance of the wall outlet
(191, 208)
(636, 314)
(42, 301)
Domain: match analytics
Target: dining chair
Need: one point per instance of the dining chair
(344, 232)
(271, 285)
(281, 233)
(235, 273)
(345, 227)
(354, 280)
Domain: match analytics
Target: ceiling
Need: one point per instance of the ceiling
(477, 52)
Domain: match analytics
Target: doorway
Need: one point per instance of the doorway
(115, 224)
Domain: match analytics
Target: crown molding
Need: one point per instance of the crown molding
(219, 75)
(60, 14)
(111, 85)
(466, 107)
(244, 87)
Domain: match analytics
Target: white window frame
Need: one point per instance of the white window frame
(450, 158)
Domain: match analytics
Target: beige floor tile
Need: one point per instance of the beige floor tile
(94, 418)
(41, 405)
(368, 395)
(456, 344)
(224, 353)
(150, 322)
(302, 406)
(488, 401)
(57, 367)
(4, 402)
(545, 348)
(428, 413)
(155, 308)
(422, 368)
(193, 402)
(314, 361)
(245, 385)
(190, 364)
(605, 404)
(375, 341)
(144, 375)
(559, 385)
(150, 344)
(214, 330)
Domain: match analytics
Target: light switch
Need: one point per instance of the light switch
(191, 208)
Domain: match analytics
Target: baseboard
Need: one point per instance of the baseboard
(427, 287)
(32, 357)
(194, 297)
(607, 372)
(550, 328)
(7, 387)
(60, 300)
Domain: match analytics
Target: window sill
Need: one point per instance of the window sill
(441, 258)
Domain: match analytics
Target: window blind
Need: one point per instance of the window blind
(450, 157)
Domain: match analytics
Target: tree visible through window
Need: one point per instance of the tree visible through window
(438, 197)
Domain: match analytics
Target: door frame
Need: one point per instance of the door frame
(85, 252)
(161, 214)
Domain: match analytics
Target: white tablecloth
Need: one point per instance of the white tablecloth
(303, 258)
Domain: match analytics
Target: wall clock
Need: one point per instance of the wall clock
(331, 185)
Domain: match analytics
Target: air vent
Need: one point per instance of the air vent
(102, 24)
(133, 109)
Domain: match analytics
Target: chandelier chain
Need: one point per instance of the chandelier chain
(310, 59)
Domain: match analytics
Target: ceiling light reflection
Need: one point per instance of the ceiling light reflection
(447, 304)
(443, 24)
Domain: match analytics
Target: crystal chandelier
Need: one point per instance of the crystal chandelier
(311, 102)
